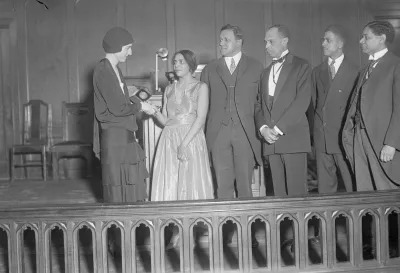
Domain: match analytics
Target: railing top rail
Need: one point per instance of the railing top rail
(149, 209)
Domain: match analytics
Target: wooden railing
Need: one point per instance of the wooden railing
(331, 233)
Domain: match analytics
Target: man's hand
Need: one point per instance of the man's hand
(387, 153)
(148, 108)
(270, 135)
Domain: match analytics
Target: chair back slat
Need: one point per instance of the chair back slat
(77, 122)
(36, 122)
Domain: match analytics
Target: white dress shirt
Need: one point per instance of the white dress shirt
(338, 62)
(274, 74)
(272, 80)
(377, 55)
(236, 58)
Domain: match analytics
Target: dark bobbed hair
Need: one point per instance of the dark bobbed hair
(339, 31)
(382, 27)
(237, 31)
(189, 57)
(282, 30)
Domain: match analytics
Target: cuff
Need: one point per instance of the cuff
(278, 131)
(264, 126)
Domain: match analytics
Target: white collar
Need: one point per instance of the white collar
(338, 60)
(378, 54)
(236, 58)
(283, 54)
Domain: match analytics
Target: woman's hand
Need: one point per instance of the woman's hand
(148, 108)
(387, 153)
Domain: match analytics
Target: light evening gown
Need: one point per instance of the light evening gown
(172, 178)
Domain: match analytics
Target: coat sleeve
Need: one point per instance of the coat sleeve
(204, 75)
(392, 137)
(314, 93)
(113, 96)
(261, 117)
(299, 105)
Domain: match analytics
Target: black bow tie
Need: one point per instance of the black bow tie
(280, 60)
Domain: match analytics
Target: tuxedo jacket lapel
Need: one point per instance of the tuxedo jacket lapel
(286, 67)
(265, 87)
(242, 66)
(325, 77)
(326, 80)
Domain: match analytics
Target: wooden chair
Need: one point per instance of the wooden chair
(35, 139)
(77, 125)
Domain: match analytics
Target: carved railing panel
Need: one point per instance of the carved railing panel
(331, 233)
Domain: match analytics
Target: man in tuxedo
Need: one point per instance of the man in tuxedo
(333, 80)
(233, 82)
(371, 134)
(284, 96)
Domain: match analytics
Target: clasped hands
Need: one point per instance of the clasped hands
(387, 153)
(270, 135)
(149, 108)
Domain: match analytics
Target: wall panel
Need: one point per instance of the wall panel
(345, 13)
(296, 15)
(147, 21)
(195, 28)
(46, 53)
(91, 25)
(250, 16)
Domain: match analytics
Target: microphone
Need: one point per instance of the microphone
(162, 53)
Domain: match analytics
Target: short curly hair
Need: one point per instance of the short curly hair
(382, 27)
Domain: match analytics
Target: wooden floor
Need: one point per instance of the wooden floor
(39, 192)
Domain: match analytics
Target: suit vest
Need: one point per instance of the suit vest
(231, 113)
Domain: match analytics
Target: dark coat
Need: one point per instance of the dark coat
(291, 100)
(113, 107)
(330, 99)
(246, 89)
(380, 111)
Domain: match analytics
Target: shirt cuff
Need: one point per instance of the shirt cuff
(262, 127)
(278, 131)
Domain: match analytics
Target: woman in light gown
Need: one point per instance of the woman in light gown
(181, 169)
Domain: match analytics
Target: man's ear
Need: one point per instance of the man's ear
(383, 38)
(341, 44)
(285, 41)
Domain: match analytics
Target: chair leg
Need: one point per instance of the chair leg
(89, 162)
(55, 165)
(12, 164)
(44, 167)
(24, 166)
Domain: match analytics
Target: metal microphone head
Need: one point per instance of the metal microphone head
(162, 53)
